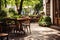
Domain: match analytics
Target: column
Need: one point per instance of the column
(44, 6)
(51, 10)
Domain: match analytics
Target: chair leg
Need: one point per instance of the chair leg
(7, 38)
(26, 27)
(29, 29)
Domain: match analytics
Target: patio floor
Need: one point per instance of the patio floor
(39, 33)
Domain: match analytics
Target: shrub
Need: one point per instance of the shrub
(45, 21)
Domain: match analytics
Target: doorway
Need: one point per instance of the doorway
(56, 12)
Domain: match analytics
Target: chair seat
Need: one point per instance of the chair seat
(25, 24)
(13, 25)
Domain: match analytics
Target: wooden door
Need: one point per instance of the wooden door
(56, 10)
(59, 12)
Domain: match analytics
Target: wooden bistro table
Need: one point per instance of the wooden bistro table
(11, 25)
(3, 35)
(20, 21)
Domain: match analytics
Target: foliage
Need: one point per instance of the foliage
(45, 21)
(41, 8)
(10, 2)
(12, 12)
(3, 13)
(25, 3)
(2, 2)
(30, 2)
(17, 2)
(38, 6)
(17, 16)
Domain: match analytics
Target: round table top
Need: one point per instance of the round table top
(3, 34)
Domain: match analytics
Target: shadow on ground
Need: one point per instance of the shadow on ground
(37, 33)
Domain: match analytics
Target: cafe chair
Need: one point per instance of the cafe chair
(26, 25)
(17, 28)
(11, 26)
(3, 36)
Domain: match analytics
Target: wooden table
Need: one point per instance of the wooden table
(9, 25)
(19, 20)
(3, 35)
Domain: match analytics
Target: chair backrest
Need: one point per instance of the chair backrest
(1, 27)
(27, 20)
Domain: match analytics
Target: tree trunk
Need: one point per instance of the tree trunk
(5, 3)
(16, 4)
(0, 5)
(20, 9)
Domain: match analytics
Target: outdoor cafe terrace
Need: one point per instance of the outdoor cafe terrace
(37, 33)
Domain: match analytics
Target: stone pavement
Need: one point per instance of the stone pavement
(39, 33)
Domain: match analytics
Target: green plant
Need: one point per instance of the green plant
(16, 16)
(3, 13)
(11, 10)
(45, 21)
(12, 13)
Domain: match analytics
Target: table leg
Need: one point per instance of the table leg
(21, 28)
(2, 38)
(7, 38)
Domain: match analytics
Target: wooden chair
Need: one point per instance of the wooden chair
(17, 27)
(26, 24)
(3, 35)
(11, 26)
(1, 27)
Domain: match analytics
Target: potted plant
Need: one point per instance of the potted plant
(45, 21)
